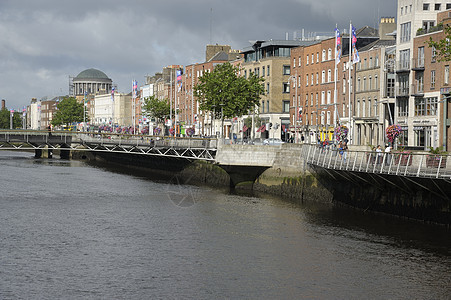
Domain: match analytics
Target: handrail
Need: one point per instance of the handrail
(427, 165)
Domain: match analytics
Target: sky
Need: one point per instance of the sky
(44, 42)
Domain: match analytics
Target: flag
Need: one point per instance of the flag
(337, 46)
(245, 128)
(262, 128)
(134, 88)
(355, 53)
(112, 93)
(179, 79)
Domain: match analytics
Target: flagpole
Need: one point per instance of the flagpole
(349, 83)
(335, 77)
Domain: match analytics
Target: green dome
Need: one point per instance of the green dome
(91, 74)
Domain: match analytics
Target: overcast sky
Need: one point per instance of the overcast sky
(44, 42)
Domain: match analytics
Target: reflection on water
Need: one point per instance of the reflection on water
(70, 230)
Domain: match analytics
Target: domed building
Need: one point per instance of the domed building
(92, 82)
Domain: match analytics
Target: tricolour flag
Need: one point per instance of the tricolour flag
(337, 46)
(134, 88)
(355, 53)
(112, 93)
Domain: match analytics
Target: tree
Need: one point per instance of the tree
(224, 92)
(443, 46)
(155, 108)
(69, 111)
(5, 119)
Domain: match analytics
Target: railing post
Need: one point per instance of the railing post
(407, 165)
(399, 163)
(419, 166)
(439, 165)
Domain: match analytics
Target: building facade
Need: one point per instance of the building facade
(421, 126)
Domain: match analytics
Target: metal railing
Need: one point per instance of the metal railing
(394, 163)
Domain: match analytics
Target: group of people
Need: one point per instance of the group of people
(379, 154)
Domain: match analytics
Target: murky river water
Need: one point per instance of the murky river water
(71, 230)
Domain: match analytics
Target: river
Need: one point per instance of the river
(70, 230)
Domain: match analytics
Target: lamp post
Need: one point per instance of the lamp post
(294, 78)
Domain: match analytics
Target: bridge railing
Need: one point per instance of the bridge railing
(393, 163)
(146, 141)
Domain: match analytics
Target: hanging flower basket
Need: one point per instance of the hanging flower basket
(157, 131)
(341, 132)
(190, 131)
(392, 132)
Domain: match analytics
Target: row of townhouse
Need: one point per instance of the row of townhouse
(395, 82)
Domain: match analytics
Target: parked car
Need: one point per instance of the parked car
(273, 141)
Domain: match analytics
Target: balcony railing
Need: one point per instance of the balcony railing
(418, 64)
(402, 91)
(417, 89)
(403, 66)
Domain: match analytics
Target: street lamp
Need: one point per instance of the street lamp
(296, 106)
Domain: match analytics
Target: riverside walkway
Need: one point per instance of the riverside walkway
(407, 164)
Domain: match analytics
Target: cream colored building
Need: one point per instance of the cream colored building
(117, 111)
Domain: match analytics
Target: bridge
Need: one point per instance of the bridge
(66, 141)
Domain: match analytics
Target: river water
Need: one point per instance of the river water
(70, 230)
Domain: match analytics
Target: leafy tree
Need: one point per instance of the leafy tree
(257, 122)
(156, 108)
(443, 46)
(5, 119)
(222, 89)
(69, 111)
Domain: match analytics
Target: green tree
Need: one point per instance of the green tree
(69, 111)
(224, 92)
(155, 108)
(443, 46)
(5, 119)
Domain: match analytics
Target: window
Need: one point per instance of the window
(328, 118)
(358, 108)
(419, 133)
(286, 70)
(426, 106)
(446, 79)
(344, 85)
(316, 99)
(312, 59)
(364, 63)
(323, 98)
(267, 88)
(363, 108)
(311, 99)
(404, 56)
(329, 54)
(306, 80)
(369, 83)
(376, 83)
(403, 107)
(358, 84)
(263, 71)
(432, 79)
(369, 107)
(294, 62)
(286, 87)
(329, 75)
(370, 64)
(317, 78)
(437, 6)
(328, 97)
(448, 6)
(405, 32)
(323, 76)
(425, 6)
(263, 106)
(299, 81)
(323, 57)
(299, 61)
(376, 61)
(306, 62)
(286, 106)
(306, 100)
(267, 105)
(317, 57)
